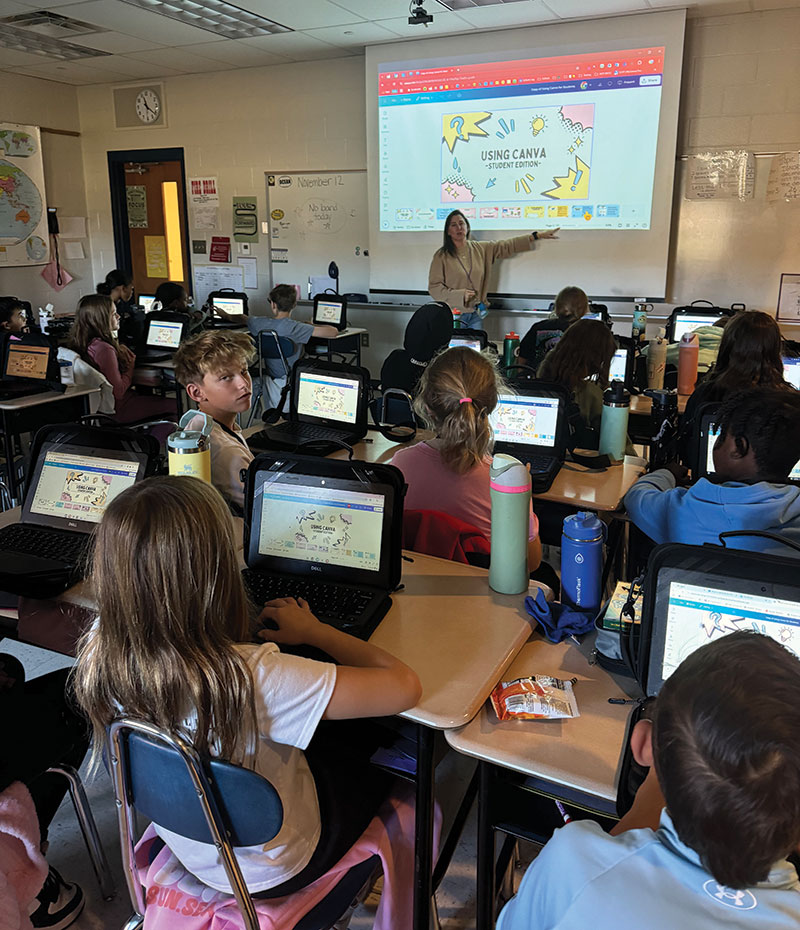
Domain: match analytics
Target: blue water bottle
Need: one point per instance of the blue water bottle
(582, 541)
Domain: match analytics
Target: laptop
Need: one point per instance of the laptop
(474, 338)
(164, 335)
(532, 426)
(791, 371)
(682, 323)
(78, 471)
(328, 531)
(330, 310)
(146, 302)
(328, 407)
(470, 343)
(700, 593)
(28, 365)
(233, 304)
(622, 366)
(708, 432)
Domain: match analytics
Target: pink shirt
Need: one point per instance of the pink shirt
(433, 486)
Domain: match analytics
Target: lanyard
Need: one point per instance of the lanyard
(466, 272)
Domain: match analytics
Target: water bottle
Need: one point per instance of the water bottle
(688, 353)
(189, 449)
(66, 372)
(657, 361)
(664, 427)
(614, 421)
(639, 325)
(510, 492)
(582, 540)
(456, 318)
(510, 349)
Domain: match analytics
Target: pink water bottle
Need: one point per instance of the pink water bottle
(687, 363)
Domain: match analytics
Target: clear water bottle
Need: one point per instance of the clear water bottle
(582, 539)
(510, 492)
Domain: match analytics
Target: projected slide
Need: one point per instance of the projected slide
(567, 141)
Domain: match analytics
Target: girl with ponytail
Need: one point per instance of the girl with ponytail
(450, 473)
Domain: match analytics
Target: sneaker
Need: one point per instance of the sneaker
(58, 904)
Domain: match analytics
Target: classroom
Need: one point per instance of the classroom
(291, 127)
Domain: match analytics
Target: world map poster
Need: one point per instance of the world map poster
(23, 209)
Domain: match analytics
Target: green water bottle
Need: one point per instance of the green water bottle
(510, 492)
(510, 349)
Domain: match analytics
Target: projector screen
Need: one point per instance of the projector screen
(571, 126)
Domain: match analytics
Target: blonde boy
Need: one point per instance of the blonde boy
(213, 368)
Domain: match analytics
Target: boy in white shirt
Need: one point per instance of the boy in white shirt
(213, 367)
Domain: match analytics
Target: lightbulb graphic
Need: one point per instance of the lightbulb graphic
(537, 125)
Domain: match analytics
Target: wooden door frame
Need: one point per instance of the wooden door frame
(119, 203)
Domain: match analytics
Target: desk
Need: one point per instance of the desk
(576, 760)
(26, 414)
(348, 342)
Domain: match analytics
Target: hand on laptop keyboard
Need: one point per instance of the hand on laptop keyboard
(288, 621)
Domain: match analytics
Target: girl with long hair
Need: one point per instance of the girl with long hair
(450, 472)
(176, 649)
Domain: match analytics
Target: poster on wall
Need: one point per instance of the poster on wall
(721, 176)
(204, 201)
(136, 198)
(789, 299)
(23, 208)
(245, 219)
(784, 177)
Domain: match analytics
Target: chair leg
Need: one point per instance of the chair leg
(134, 922)
(88, 827)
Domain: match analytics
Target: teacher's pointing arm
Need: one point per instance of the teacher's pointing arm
(504, 248)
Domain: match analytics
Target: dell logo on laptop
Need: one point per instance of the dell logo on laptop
(316, 568)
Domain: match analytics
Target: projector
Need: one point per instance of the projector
(419, 16)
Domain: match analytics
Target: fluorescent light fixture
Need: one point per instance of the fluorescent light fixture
(21, 40)
(215, 16)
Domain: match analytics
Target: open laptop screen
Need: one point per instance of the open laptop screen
(791, 371)
(164, 334)
(26, 361)
(322, 524)
(469, 343)
(619, 366)
(146, 302)
(73, 485)
(525, 419)
(233, 306)
(713, 434)
(328, 397)
(689, 322)
(328, 311)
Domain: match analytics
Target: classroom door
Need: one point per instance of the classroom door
(150, 222)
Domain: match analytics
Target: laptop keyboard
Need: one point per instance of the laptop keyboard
(539, 462)
(340, 606)
(309, 431)
(46, 543)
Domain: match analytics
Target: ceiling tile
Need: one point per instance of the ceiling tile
(69, 72)
(115, 42)
(12, 58)
(376, 10)
(296, 46)
(302, 14)
(11, 8)
(131, 21)
(237, 53)
(573, 9)
(123, 67)
(182, 60)
(353, 35)
(526, 13)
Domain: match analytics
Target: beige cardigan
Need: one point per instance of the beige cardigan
(448, 280)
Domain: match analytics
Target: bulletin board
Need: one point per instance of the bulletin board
(316, 217)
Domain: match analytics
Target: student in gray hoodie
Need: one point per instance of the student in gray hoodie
(757, 448)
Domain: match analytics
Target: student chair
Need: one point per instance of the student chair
(160, 775)
(277, 348)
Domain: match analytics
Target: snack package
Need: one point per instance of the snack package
(538, 697)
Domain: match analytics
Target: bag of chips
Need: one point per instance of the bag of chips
(539, 697)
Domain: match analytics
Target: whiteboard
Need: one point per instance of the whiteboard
(316, 217)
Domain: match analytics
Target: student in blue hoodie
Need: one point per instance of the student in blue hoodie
(758, 445)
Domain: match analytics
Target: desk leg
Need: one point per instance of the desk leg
(8, 446)
(486, 889)
(423, 842)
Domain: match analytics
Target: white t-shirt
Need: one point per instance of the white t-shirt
(291, 695)
(229, 455)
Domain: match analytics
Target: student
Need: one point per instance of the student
(429, 330)
(12, 316)
(706, 841)
(213, 368)
(581, 362)
(459, 272)
(93, 337)
(450, 472)
(749, 356)
(570, 305)
(176, 651)
(118, 285)
(758, 445)
(282, 300)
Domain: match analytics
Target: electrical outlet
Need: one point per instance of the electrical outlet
(365, 340)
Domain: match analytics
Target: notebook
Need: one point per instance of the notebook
(330, 310)
(162, 341)
(791, 371)
(68, 492)
(531, 426)
(708, 435)
(328, 407)
(699, 594)
(326, 530)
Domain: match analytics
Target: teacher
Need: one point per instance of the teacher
(459, 273)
